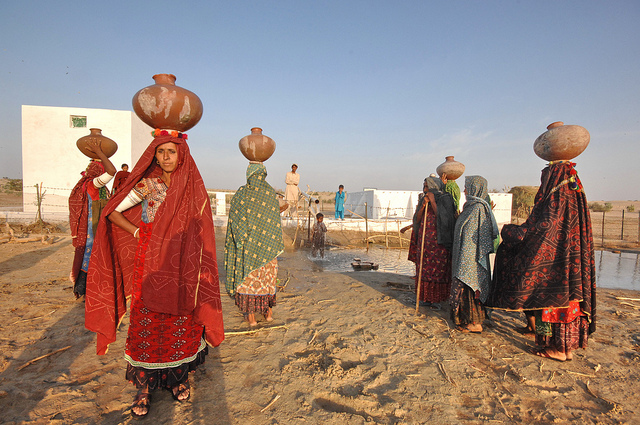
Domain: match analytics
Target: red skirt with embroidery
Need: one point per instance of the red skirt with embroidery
(161, 348)
(436, 262)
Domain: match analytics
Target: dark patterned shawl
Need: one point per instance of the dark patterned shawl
(549, 260)
(254, 233)
(446, 220)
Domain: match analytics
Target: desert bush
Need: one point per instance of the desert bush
(13, 185)
(631, 208)
(598, 207)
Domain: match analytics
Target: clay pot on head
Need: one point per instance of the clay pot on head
(561, 142)
(108, 146)
(167, 106)
(453, 168)
(256, 146)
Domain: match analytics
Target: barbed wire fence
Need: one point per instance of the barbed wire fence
(612, 227)
(609, 227)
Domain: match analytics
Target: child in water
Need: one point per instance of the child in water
(319, 229)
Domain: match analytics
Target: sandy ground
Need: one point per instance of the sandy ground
(346, 348)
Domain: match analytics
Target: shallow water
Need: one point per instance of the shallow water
(618, 271)
(390, 260)
(614, 271)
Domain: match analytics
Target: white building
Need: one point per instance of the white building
(51, 159)
(400, 204)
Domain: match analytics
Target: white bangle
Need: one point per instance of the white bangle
(135, 234)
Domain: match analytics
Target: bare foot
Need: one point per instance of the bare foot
(550, 353)
(269, 316)
(251, 318)
(475, 327)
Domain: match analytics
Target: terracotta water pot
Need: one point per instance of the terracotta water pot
(561, 142)
(167, 106)
(108, 146)
(453, 168)
(256, 146)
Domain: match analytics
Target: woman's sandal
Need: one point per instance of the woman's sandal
(180, 390)
(142, 399)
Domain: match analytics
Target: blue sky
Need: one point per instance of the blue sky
(360, 93)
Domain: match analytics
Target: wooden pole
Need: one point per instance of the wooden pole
(386, 225)
(400, 237)
(366, 224)
(638, 226)
(603, 214)
(424, 230)
(622, 231)
(309, 221)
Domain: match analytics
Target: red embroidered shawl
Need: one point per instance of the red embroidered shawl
(180, 271)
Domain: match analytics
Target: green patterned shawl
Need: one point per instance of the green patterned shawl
(254, 235)
(452, 188)
(473, 238)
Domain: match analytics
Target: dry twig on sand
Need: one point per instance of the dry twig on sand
(42, 357)
(478, 369)
(636, 307)
(270, 404)
(581, 374)
(286, 282)
(444, 373)
(227, 333)
(627, 299)
(34, 318)
(506, 412)
(324, 301)
(315, 334)
(610, 404)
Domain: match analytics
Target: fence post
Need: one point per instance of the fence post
(366, 224)
(638, 226)
(622, 231)
(603, 214)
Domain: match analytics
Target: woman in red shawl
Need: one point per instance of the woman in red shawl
(546, 266)
(165, 249)
(87, 199)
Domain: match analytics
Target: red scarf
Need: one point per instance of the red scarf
(78, 208)
(180, 271)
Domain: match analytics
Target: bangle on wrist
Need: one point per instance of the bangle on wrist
(135, 234)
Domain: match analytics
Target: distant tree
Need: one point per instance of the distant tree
(523, 197)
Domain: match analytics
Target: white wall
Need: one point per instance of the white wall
(401, 204)
(50, 155)
(382, 203)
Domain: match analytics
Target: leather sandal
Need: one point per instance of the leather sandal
(180, 390)
(142, 399)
